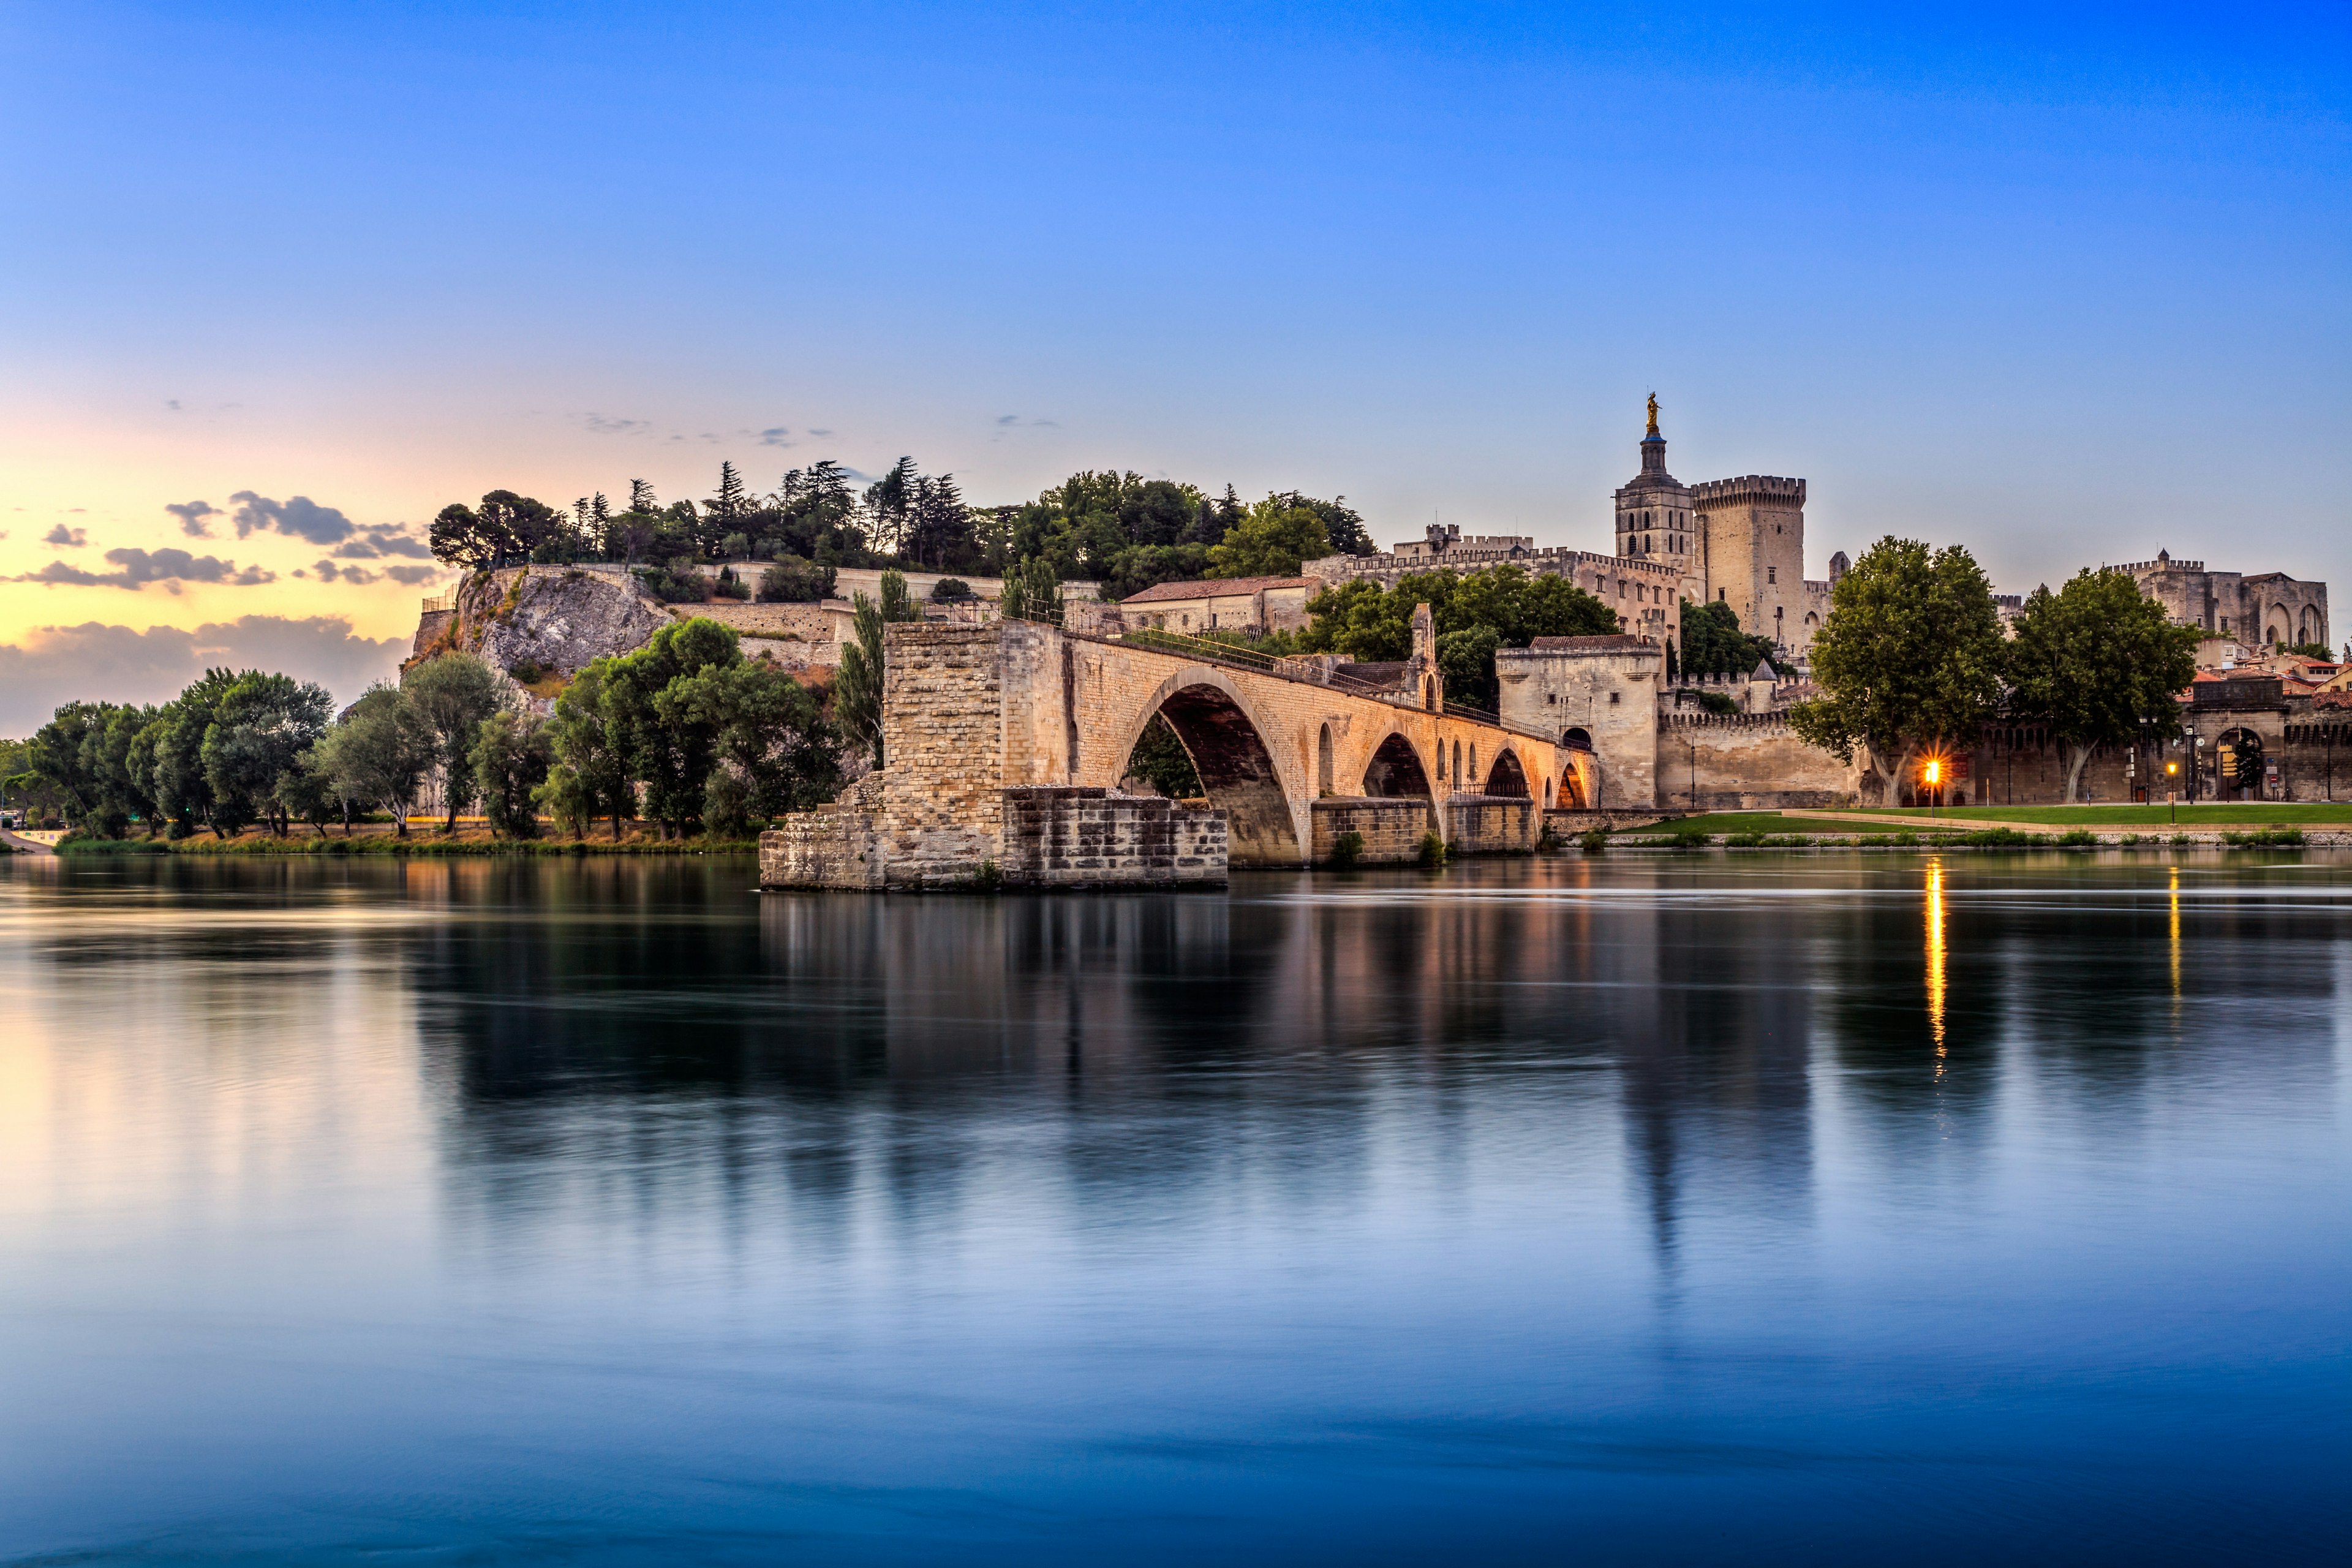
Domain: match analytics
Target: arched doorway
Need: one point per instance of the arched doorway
(1237, 775)
(1507, 777)
(1578, 739)
(2238, 765)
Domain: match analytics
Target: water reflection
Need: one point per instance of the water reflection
(1436, 1209)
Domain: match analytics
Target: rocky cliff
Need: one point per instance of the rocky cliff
(556, 618)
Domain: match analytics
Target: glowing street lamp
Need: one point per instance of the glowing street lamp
(2172, 796)
(1932, 775)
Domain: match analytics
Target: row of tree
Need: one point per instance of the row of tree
(685, 731)
(1127, 531)
(1913, 660)
(1474, 612)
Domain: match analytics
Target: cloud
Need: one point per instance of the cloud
(372, 541)
(775, 437)
(816, 432)
(66, 538)
(330, 573)
(300, 516)
(606, 424)
(137, 568)
(56, 665)
(1014, 422)
(411, 576)
(192, 515)
(173, 403)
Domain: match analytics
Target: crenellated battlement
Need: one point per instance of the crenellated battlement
(2164, 566)
(1754, 489)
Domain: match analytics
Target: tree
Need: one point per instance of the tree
(506, 529)
(857, 691)
(773, 751)
(261, 726)
(1160, 761)
(377, 753)
(2098, 663)
(723, 513)
(888, 501)
(1032, 592)
(591, 774)
(171, 751)
(1713, 644)
(792, 581)
(1271, 541)
(451, 695)
(1910, 656)
(511, 757)
(938, 526)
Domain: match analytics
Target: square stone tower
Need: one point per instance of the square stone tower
(1752, 544)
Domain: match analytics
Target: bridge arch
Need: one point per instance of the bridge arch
(1507, 776)
(1238, 767)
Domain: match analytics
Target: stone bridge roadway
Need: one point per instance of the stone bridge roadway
(1266, 744)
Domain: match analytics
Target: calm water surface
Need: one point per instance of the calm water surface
(1653, 1210)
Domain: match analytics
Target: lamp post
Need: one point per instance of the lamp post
(1932, 775)
(2171, 795)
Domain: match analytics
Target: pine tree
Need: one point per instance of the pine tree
(641, 497)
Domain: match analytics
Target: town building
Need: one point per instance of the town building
(1253, 604)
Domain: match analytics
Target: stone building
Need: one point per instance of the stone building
(1252, 604)
(2267, 608)
(1738, 542)
(1595, 694)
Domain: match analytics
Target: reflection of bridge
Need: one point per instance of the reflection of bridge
(1006, 744)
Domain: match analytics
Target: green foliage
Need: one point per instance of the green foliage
(1475, 613)
(2311, 650)
(511, 755)
(951, 591)
(253, 750)
(1432, 851)
(377, 754)
(1594, 840)
(730, 586)
(792, 581)
(2079, 838)
(1347, 850)
(1271, 539)
(988, 880)
(506, 529)
(2262, 837)
(857, 690)
(450, 696)
(1713, 644)
(1033, 592)
(2099, 663)
(1711, 701)
(1160, 761)
(1136, 567)
(677, 584)
(1910, 656)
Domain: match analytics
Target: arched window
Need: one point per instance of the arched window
(1323, 762)
(1458, 762)
(1473, 762)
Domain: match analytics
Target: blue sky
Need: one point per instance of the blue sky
(2063, 285)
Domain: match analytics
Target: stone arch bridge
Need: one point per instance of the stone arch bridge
(1004, 746)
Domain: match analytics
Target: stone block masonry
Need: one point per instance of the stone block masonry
(1003, 744)
(1392, 830)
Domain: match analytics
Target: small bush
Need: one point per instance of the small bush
(2078, 839)
(1433, 849)
(1906, 840)
(1996, 839)
(988, 880)
(951, 591)
(730, 587)
(1745, 841)
(529, 671)
(2181, 838)
(1347, 850)
(2264, 838)
(2130, 838)
(1594, 840)
(672, 587)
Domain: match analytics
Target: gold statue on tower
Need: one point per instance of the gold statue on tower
(1654, 414)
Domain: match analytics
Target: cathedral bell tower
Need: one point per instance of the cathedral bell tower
(1654, 515)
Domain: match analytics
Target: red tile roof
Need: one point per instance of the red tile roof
(1217, 589)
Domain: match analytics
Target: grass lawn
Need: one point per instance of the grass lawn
(2234, 814)
(1772, 822)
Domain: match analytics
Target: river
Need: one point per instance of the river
(1658, 1209)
